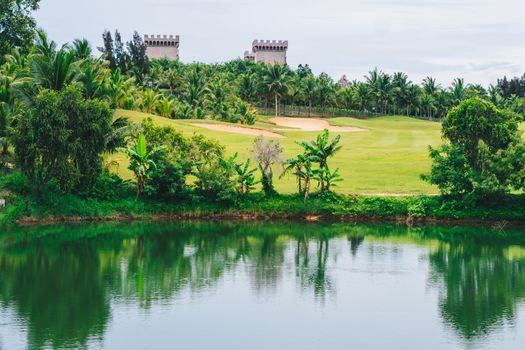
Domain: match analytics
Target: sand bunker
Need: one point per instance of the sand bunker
(312, 124)
(237, 130)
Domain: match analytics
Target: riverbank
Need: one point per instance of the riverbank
(423, 209)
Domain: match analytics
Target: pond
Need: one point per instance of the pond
(224, 285)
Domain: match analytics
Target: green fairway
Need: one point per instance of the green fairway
(386, 159)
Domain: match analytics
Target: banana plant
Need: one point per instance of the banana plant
(141, 160)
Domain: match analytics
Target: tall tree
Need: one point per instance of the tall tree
(484, 152)
(276, 82)
(17, 26)
(62, 138)
(107, 50)
(138, 57)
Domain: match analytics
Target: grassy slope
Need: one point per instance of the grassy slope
(387, 159)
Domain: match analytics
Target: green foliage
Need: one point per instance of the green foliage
(214, 176)
(245, 175)
(141, 160)
(108, 187)
(485, 153)
(16, 25)
(61, 138)
(318, 151)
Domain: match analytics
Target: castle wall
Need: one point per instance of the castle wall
(169, 52)
(271, 57)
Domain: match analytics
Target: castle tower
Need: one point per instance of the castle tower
(162, 47)
(249, 56)
(270, 52)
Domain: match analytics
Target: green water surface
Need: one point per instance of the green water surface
(221, 285)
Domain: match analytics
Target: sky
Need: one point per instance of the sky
(479, 40)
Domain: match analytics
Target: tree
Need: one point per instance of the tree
(7, 105)
(267, 153)
(62, 138)
(309, 86)
(141, 160)
(121, 56)
(17, 26)
(82, 49)
(320, 150)
(276, 82)
(245, 175)
(302, 169)
(107, 49)
(484, 152)
(137, 54)
(48, 69)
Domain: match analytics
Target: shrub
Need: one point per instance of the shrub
(484, 156)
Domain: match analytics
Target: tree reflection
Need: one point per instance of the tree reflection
(481, 286)
(61, 283)
(60, 295)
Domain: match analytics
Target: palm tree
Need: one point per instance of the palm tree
(149, 100)
(427, 104)
(93, 76)
(362, 95)
(247, 87)
(166, 107)
(82, 49)
(6, 111)
(296, 166)
(117, 87)
(325, 90)
(400, 84)
(43, 46)
(383, 90)
(276, 82)
(172, 79)
(310, 90)
(141, 161)
(458, 90)
(430, 86)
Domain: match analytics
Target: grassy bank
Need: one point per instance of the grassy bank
(58, 208)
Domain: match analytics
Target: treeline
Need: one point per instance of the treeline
(199, 90)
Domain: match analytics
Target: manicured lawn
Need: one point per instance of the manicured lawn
(387, 159)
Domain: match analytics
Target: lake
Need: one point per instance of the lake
(227, 285)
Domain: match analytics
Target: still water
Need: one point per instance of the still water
(261, 286)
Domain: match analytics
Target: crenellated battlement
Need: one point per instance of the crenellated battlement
(249, 56)
(162, 40)
(269, 45)
(268, 51)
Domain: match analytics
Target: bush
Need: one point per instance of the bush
(109, 187)
(484, 156)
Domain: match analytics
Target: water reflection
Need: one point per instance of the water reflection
(61, 281)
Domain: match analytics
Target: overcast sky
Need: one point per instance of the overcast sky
(479, 40)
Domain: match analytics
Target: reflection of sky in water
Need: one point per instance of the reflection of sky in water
(283, 292)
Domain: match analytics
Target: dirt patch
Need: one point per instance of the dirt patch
(238, 130)
(312, 124)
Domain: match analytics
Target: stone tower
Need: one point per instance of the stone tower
(270, 52)
(162, 47)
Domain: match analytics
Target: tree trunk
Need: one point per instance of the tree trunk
(276, 106)
(306, 189)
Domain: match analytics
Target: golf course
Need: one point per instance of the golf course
(379, 156)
